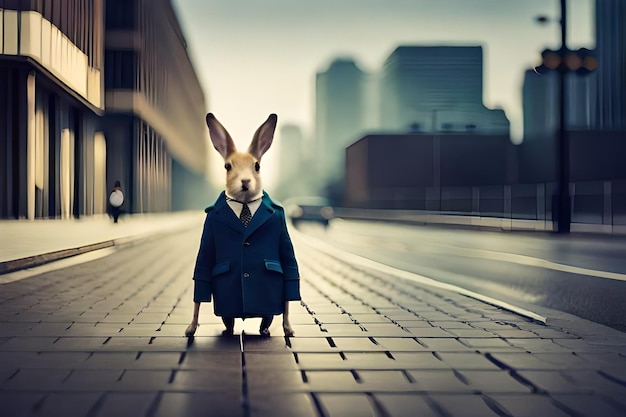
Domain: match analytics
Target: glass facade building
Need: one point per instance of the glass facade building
(435, 89)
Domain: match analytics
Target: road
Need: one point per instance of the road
(578, 274)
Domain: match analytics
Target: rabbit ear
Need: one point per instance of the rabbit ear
(220, 137)
(263, 137)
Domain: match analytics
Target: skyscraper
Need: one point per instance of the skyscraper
(339, 114)
(291, 172)
(611, 72)
(437, 88)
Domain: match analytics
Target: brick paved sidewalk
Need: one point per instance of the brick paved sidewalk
(105, 339)
(28, 243)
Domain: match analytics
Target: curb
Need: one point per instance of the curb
(46, 258)
(38, 260)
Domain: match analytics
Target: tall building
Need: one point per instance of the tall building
(157, 139)
(52, 150)
(596, 101)
(611, 72)
(89, 96)
(540, 103)
(339, 114)
(291, 172)
(435, 89)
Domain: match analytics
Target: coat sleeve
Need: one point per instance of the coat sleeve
(289, 263)
(204, 264)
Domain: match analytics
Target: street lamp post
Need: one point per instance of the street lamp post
(581, 62)
(564, 209)
(554, 60)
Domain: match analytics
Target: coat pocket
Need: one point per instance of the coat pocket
(273, 266)
(221, 268)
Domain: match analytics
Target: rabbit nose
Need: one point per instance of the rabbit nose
(245, 184)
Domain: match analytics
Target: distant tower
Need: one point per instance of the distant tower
(540, 103)
(437, 88)
(611, 72)
(339, 114)
(290, 167)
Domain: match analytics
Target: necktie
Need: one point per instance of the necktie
(245, 215)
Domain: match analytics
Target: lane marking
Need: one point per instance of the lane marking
(536, 262)
(529, 261)
(420, 279)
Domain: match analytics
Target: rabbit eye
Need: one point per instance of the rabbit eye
(257, 167)
(228, 166)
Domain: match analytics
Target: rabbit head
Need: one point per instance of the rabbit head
(243, 169)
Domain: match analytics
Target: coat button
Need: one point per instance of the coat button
(246, 275)
(246, 244)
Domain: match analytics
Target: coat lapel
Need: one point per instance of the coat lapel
(225, 214)
(263, 214)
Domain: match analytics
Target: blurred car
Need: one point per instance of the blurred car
(313, 208)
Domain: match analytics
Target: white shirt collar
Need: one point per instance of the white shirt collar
(236, 205)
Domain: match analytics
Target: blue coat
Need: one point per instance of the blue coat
(249, 271)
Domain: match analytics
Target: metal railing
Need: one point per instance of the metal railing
(596, 205)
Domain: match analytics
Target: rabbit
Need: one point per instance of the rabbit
(248, 270)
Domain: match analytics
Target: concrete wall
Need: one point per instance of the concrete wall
(487, 175)
(411, 167)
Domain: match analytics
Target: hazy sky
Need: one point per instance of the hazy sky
(256, 57)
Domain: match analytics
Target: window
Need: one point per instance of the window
(120, 69)
(120, 14)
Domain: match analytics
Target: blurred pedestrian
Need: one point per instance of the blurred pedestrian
(116, 199)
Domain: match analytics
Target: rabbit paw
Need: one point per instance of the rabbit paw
(288, 329)
(191, 329)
